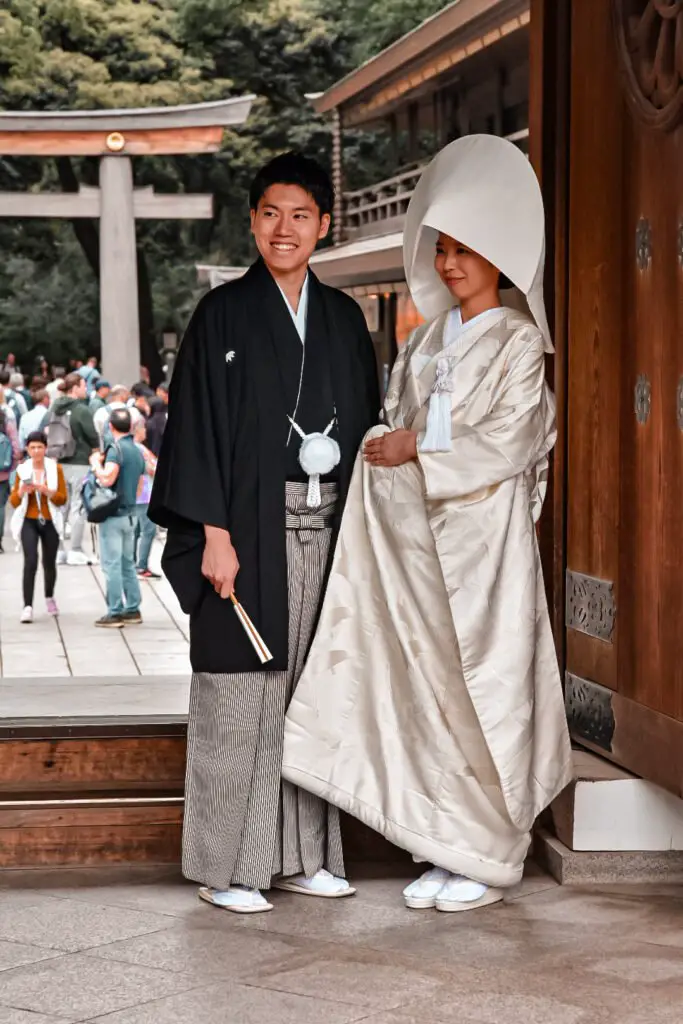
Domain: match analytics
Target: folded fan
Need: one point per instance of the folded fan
(250, 629)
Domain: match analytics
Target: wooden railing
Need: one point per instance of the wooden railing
(380, 207)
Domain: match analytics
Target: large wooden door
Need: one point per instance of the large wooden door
(624, 384)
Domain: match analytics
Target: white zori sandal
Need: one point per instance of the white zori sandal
(449, 893)
(421, 894)
(323, 884)
(460, 893)
(238, 899)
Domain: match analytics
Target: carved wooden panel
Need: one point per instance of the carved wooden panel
(650, 40)
(590, 605)
(589, 711)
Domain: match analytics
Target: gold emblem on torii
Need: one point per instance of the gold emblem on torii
(115, 142)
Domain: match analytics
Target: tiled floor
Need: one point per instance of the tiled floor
(136, 947)
(71, 646)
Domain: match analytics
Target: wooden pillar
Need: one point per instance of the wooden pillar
(119, 323)
(549, 112)
(413, 133)
(463, 113)
(498, 109)
(337, 178)
(395, 142)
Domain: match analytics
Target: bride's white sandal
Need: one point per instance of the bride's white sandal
(422, 893)
(460, 893)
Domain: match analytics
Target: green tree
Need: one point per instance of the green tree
(81, 54)
(78, 54)
(372, 25)
(49, 311)
(281, 50)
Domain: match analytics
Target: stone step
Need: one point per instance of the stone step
(609, 826)
(48, 831)
(90, 792)
(583, 867)
(607, 809)
(100, 792)
(91, 761)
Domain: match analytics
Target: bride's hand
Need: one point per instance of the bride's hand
(394, 449)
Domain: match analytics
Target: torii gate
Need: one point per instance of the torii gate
(116, 136)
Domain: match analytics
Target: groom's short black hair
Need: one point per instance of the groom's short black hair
(294, 169)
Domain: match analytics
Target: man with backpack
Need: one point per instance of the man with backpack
(71, 439)
(9, 456)
(14, 401)
(120, 468)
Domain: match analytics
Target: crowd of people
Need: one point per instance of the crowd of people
(60, 428)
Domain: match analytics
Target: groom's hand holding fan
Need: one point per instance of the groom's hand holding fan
(220, 564)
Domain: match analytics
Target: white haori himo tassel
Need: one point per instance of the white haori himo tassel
(437, 436)
(318, 455)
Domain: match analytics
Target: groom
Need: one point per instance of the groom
(243, 514)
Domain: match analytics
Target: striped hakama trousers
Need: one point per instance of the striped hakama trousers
(244, 825)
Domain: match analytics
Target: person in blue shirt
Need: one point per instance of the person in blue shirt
(120, 467)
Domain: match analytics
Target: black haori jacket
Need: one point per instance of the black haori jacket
(223, 458)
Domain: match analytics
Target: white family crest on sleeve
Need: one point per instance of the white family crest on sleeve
(229, 356)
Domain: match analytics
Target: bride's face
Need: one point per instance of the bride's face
(465, 273)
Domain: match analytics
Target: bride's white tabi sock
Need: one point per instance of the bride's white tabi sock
(238, 898)
(421, 894)
(460, 893)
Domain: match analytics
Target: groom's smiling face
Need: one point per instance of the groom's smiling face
(287, 226)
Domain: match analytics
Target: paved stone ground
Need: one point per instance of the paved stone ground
(71, 645)
(124, 946)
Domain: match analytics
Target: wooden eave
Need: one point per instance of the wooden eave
(430, 51)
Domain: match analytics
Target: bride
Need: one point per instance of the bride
(431, 704)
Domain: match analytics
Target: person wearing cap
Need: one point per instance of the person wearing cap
(100, 395)
(431, 705)
(116, 399)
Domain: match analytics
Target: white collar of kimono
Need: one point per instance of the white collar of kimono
(299, 317)
(481, 190)
(455, 328)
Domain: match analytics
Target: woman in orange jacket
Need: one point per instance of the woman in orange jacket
(38, 495)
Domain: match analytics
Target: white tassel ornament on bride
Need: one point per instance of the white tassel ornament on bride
(437, 436)
(318, 456)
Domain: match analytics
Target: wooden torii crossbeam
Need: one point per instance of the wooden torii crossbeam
(116, 136)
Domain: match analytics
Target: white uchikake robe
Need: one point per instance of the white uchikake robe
(431, 705)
